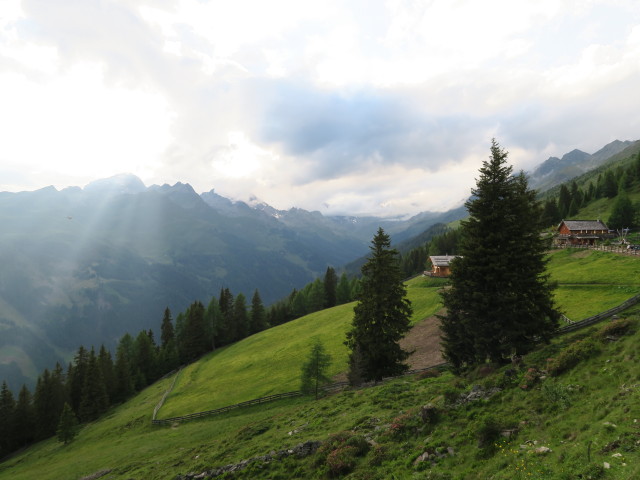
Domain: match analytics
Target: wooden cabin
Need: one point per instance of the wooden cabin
(582, 232)
(440, 265)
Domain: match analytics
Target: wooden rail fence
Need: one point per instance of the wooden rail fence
(340, 385)
(270, 398)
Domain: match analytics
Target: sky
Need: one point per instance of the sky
(359, 107)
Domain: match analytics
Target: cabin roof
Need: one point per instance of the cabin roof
(442, 260)
(584, 225)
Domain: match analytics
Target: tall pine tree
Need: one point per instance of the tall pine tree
(500, 301)
(381, 316)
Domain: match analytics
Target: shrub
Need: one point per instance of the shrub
(450, 395)
(342, 460)
(359, 443)
(488, 431)
(379, 454)
(572, 355)
(431, 373)
(616, 328)
(402, 424)
(557, 395)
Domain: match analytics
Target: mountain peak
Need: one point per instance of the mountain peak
(120, 183)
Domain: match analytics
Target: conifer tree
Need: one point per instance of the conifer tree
(144, 358)
(564, 201)
(382, 314)
(94, 400)
(610, 185)
(213, 320)
(68, 425)
(48, 400)
(24, 424)
(258, 314)
(500, 300)
(167, 332)
(316, 298)
(76, 377)
(343, 291)
(195, 341)
(623, 213)
(314, 370)
(227, 330)
(240, 317)
(330, 288)
(124, 369)
(105, 362)
(7, 419)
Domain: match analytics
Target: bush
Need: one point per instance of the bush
(572, 355)
(557, 395)
(616, 328)
(379, 454)
(339, 452)
(431, 373)
(488, 431)
(341, 460)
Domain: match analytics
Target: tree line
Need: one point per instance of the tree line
(96, 380)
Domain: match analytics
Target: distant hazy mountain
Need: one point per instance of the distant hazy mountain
(555, 171)
(84, 266)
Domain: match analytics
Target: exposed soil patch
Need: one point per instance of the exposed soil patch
(423, 340)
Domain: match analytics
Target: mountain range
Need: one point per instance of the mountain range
(555, 171)
(82, 266)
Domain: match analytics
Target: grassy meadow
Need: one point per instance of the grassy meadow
(585, 415)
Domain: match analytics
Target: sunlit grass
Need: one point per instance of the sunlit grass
(269, 362)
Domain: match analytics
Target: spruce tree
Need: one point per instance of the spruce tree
(330, 288)
(94, 399)
(500, 299)
(68, 425)
(77, 376)
(258, 314)
(124, 369)
(213, 320)
(314, 370)
(24, 424)
(105, 362)
(195, 340)
(343, 291)
(227, 329)
(564, 201)
(7, 420)
(316, 297)
(382, 314)
(623, 213)
(241, 317)
(48, 400)
(167, 333)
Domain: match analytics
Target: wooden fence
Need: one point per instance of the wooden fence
(341, 385)
(622, 249)
(270, 398)
(596, 318)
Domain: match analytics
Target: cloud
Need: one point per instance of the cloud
(312, 104)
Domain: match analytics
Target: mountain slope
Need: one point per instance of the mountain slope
(84, 266)
(594, 404)
(555, 171)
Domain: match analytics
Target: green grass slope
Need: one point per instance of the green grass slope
(596, 402)
(269, 362)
